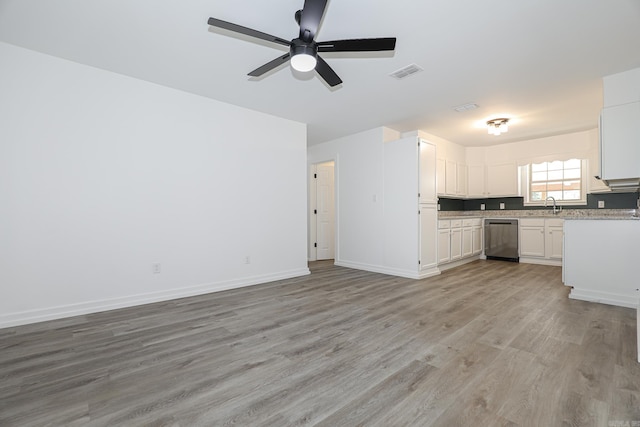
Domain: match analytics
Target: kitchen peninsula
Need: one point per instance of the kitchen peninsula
(600, 260)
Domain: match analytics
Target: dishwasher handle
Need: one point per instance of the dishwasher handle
(499, 222)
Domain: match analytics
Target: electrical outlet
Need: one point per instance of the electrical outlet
(600, 204)
(155, 268)
(501, 205)
(247, 259)
(482, 206)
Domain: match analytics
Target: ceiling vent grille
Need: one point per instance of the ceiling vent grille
(406, 71)
(465, 107)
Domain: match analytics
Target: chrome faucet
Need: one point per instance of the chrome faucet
(556, 208)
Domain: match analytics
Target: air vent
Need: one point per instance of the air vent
(406, 71)
(465, 107)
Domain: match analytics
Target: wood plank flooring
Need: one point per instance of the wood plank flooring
(489, 343)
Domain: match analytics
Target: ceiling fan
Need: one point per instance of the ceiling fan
(303, 50)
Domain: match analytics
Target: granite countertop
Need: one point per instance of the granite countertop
(571, 214)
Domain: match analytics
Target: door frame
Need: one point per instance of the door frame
(312, 223)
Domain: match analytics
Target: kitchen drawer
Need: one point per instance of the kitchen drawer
(444, 223)
(471, 222)
(555, 222)
(456, 223)
(532, 222)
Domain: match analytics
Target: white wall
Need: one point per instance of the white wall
(445, 148)
(400, 208)
(102, 175)
(560, 147)
(360, 199)
(359, 177)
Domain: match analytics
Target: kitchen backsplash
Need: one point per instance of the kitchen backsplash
(611, 201)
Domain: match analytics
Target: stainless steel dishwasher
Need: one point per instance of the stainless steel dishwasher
(501, 239)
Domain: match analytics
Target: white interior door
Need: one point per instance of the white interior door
(326, 211)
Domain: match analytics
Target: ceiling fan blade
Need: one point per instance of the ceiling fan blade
(358, 45)
(327, 73)
(247, 31)
(310, 19)
(270, 65)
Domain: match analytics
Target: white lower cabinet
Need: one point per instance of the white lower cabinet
(444, 241)
(541, 240)
(471, 237)
(428, 251)
(467, 241)
(477, 242)
(554, 239)
(459, 239)
(532, 238)
(456, 239)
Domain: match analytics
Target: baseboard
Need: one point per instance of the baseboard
(52, 313)
(541, 261)
(409, 274)
(630, 301)
(429, 273)
(457, 263)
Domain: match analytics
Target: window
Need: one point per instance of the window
(562, 180)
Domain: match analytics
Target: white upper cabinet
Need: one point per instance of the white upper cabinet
(476, 181)
(502, 180)
(441, 177)
(461, 180)
(427, 172)
(620, 142)
(451, 178)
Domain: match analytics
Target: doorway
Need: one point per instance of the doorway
(322, 212)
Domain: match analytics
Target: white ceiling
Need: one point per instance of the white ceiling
(538, 61)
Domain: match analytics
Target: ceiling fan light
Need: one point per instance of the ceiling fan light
(303, 62)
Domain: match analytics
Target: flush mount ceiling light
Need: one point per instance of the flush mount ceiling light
(497, 126)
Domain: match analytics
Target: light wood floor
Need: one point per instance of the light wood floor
(490, 343)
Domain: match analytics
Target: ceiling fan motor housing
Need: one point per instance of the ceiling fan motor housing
(300, 47)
